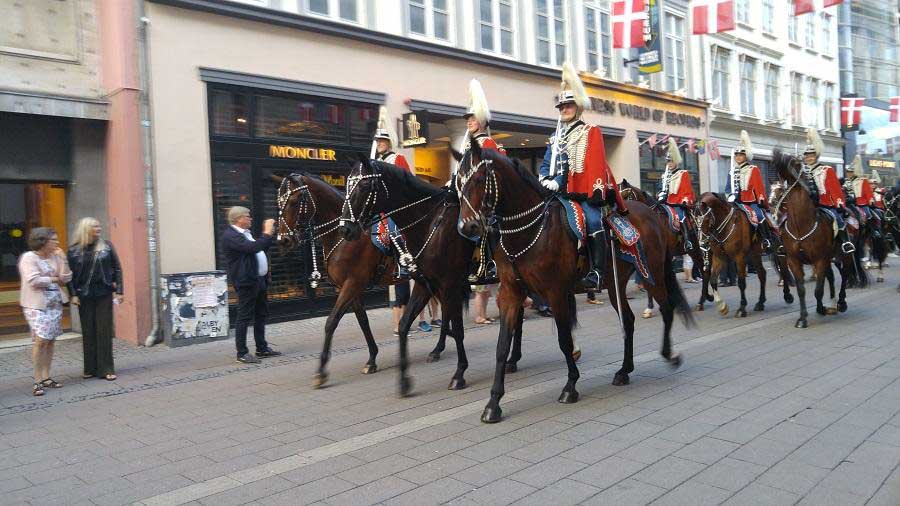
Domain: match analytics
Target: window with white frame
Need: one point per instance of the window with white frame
(742, 11)
(825, 30)
(551, 32)
(496, 26)
(721, 63)
(793, 23)
(597, 44)
(810, 25)
(812, 102)
(748, 85)
(772, 76)
(828, 107)
(429, 18)
(796, 98)
(674, 52)
(768, 16)
(345, 10)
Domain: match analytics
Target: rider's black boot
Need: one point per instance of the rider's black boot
(844, 238)
(597, 253)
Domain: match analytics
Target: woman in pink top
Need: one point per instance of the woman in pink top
(43, 270)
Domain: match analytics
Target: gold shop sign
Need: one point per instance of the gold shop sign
(302, 153)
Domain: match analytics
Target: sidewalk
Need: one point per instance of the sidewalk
(760, 413)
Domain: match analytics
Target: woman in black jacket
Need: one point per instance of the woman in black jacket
(96, 285)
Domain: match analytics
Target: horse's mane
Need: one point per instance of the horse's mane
(407, 179)
(517, 166)
(317, 177)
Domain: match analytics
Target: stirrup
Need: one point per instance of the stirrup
(848, 247)
(688, 245)
(589, 279)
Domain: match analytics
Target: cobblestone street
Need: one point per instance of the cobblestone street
(759, 413)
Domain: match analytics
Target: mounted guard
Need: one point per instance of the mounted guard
(825, 188)
(384, 141)
(677, 193)
(749, 191)
(575, 163)
(861, 193)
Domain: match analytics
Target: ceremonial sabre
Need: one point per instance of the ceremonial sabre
(554, 149)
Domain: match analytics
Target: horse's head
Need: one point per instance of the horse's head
(296, 208)
(795, 185)
(709, 210)
(479, 193)
(366, 192)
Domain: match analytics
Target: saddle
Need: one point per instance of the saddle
(757, 215)
(381, 233)
(675, 216)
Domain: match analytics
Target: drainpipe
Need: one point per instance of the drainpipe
(149, 183)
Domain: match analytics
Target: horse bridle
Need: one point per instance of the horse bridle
(712, 223)
(780, 203)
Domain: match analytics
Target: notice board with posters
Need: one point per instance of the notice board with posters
(194, 307)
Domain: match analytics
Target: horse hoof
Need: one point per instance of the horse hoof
(759, 307)
(788, 298)
(319, 380)
(831, 311)
(511, 368)
(576, 353)
(801, 323)
(723, 309)
(648, 313)
(698, 307)
(406, 385)
(491, 415)
(822, 311)
(879, 279)
(457, 384)
(370, 369)
(740, 313)
(568, 397)
(675, 361)
(710, 298)
(621, 379)
(842, 306)
(432, 357)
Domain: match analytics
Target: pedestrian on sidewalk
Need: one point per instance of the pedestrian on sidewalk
(43, 272)
(95, 286)
(248, 271)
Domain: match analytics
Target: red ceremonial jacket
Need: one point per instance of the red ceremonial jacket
(680, 189)
(862, 188)
(486, 142)
(395, 159)
(753, 190)
(878, 198)
(596, 174)
(830, 192)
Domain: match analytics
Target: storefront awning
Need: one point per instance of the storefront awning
(290, 86)
(49, 105)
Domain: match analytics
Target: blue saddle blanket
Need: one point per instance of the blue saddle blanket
(835, 216)
(381, 233)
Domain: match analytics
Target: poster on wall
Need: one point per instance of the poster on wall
(649, 56)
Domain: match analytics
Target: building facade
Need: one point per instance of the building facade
(240, 90)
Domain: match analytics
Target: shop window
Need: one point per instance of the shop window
(290, 267)
(280, 117)
(232, 186)
(653, 164)
(362, 124)
(229, 113)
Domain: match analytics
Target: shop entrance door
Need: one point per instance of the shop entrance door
(24, 206)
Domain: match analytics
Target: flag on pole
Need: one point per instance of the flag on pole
(895, 109)
(701, 146)
(804, 6)
(713, 149)
(851, 113)
(690, 146)
(712, 16)
(629, 21)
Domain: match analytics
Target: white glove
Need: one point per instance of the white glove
(731, 198)
(550, 184)
(661, 195)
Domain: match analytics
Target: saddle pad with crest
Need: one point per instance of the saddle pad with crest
(382, 230)
(575, 218)
(754, 213)
(674, 215)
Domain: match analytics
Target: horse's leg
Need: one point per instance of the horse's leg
(627, 317)
(820, 272)
(704, 285)
(663, 293)
(648, 311)
(348, 295)
(563, 306)
(761, 274)
(717, 264)
(418, 299)
(435, 354)
(829, 276)
(741, 264)
(842, 294)
(363, 319)
(512, 364)
(510, 300)
(786, 276)
(796, 268)
(453, 310)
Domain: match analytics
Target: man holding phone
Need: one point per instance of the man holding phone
(248, 270)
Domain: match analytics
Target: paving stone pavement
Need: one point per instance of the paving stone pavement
(759, 413)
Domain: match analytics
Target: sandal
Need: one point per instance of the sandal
(110, 377)
(37, 390)
(50, 383)
(86, 376)
(484, 321)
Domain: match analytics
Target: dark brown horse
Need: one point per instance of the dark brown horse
(630, 192)
(728, 234)
(808, 238)
(539, 253)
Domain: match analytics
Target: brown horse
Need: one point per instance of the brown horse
(728, 234)
(808, 238)
(630, 192)
(539, 253)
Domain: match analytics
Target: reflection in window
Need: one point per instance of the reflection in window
(551, 32)
(319, 6)
(229, 113)
(430, 18)
(295, 118)
(496, 26)
(653, 164)
(362, 124)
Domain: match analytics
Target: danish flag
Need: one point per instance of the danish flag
(722, 21)
(895, 109)
(804, 6)
(851, 112)
(629, 20)
(713, 149)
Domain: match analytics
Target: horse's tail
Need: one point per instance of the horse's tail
(858, 277)
(466, 294)
(675, 296)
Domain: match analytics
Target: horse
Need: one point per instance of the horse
(539, 253)
(309, 210)
(727, 234)
(808, 238)
(630, 192)
(870, 237)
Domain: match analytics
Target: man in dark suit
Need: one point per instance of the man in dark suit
(248, 270)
